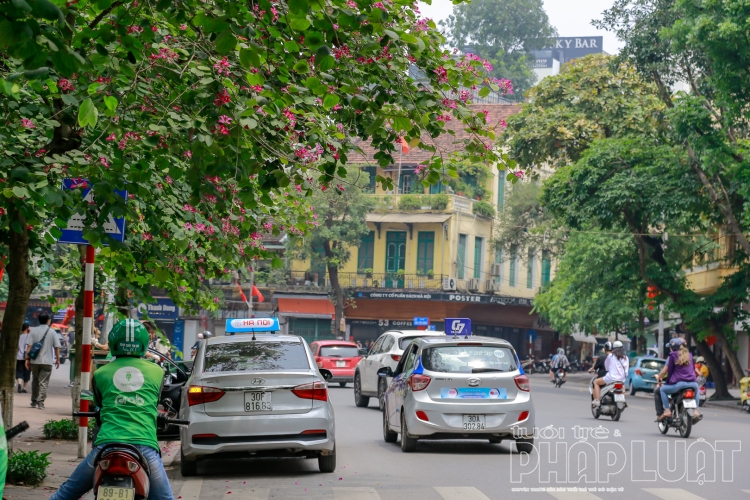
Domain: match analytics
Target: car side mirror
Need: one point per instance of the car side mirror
(326, 374)
(385, 372)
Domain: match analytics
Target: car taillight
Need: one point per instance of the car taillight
(523, 416)
(315, 390)
(689, 394)
(119, 464)
(618, 386)
(422, 416)
(396, 357)
(638, 372)
(522, 382)
(319, 361)
(198, 394)
(418, 382)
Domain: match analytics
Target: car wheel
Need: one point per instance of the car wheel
(342, 384)
(327, 463)
(496, 440)
(632, 388)
(408, 444)
(525, 445)
(388, 435)
(188, 468)
(381, 393)
(359, 400)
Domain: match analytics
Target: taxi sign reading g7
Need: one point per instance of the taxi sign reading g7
(248, 325)
(457, 326)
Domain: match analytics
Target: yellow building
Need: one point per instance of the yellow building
(430, 252)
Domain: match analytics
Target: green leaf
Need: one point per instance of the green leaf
(401, 123)
(254, 78)
(330, 101)
(484, 92)
(392, 34)
(225, 42)
(299, 23)
(302, 66)
(46, 10)
(93, 88)
(20, 192)
(249, 58)
(298, 6)
(327, 63)
(37, 74)
(406, 37)
(21, 4)
(110, 102)
(87, 113)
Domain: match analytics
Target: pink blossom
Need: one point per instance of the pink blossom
(183, 27)
(352, 4)
(443, 118)
(421, 25)
(442, 74)
(506, 86)
(449, 103)
(103, 79)
(168, 179)
(225, 120)
(379, 5)
(187, 154)
(166, 54)
(182, 288)
(147, 237)
(154, 28)
(420, 169)
(222, 98)
(26, 123)
(298, 188)
(64, 85)
(216, 301)
(275, 14)
(487, 65)
(188, 226)
(189, 208)
(134, 29)
(103, 161)
(211, 198)
(111, 137)
(335, 26)
(464, 95)
(222, 129)
(222, 67)
(267, 226)
(519, 174)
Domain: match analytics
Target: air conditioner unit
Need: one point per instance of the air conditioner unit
(496, 269)
(492, 286)
(449, 284)
(474, 285)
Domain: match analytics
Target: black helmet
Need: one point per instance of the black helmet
(608, 346)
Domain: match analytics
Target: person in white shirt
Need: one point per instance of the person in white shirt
(41, 366)
(23, 374)
(617, 370)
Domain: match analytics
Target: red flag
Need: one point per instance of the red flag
(2, 267)
(404, 146)
(257, 293)
(70, 313)
(242, 294)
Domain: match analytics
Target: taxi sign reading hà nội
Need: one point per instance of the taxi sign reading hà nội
(250, 325)
(457, 326)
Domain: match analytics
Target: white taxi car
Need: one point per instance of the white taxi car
(386, 352)
(458, 388)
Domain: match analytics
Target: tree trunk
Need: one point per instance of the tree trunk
(20, 286)
(729, 352)
(333, 275)
(714, 367)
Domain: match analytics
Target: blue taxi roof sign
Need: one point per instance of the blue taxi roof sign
(457, 326)
(252, 325)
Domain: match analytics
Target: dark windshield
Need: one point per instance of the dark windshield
(405, 341)
(469, 359)
(255, 356)
(652, 364)
(339, 351)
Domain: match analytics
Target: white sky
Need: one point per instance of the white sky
(570, 17)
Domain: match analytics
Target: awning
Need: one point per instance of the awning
(582, 337)
(408, 218)
(306, 308)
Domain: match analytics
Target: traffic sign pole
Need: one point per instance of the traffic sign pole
(88, 324)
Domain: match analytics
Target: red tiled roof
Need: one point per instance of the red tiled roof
(445, 143)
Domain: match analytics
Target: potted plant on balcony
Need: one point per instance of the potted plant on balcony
(430, 274)
(366, 271)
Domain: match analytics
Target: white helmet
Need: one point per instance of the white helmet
(616, 344)
(560, 350)
(200, 336)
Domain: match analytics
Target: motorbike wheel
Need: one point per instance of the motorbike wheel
(663, 426)
(573, 369)
(703, 402)
(596, 412)
(617, 414)
(686, 424)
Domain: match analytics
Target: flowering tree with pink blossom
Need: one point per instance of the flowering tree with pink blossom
(260, 96)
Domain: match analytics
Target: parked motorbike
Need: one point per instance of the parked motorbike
(527, 365)
(121, 471)
(559, 374)
(611, 400)
(575, 366)
(702, 390)
(682, 405)
(542, 365)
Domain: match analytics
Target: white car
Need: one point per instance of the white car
(386, 352)
(254, 396)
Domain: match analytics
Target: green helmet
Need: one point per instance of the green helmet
(128, 338)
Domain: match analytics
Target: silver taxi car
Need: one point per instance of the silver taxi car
(253, 396)
(458, 388)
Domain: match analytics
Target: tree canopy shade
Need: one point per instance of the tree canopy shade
(215, 116)
(504, 32)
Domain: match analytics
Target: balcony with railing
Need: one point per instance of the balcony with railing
(441, 202)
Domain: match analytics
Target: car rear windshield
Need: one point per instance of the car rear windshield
(339, 351)
(405, 341)
(469, 359)
(652, 364)
(255, 356)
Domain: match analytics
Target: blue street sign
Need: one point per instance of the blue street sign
(531, 335)
(457, 326)
(178, 337)
(73, 233)
(248, 325)
(432, 328)
(421, 321)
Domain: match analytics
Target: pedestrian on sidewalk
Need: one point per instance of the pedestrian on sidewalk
(23, 374)
(41, 364)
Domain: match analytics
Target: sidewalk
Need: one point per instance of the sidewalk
(63, 454)
(585, 378)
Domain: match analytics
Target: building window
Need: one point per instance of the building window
(365, 252)
(513, 265)
(395, 244)
(546, 268)
(425, 251)
(478, 257)
(530, 270)
(372, 172)
(500, 191)
(461, 258)
(499, 260)
(410, 183)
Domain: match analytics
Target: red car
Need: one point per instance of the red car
(338, 356)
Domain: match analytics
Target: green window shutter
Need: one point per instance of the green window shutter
(425, 251)
(478, 257)
(513, 265)
(546, 268)
(395, 257)
(366, 252)
(530, 270)
(372, 172)
(437, 188)
(461, 258)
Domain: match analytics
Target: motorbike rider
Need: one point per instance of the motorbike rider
(203, 335)
(599, 365)
(127, 391)
(616, 365)
(559, 360)
(681, 374)
(700, 367)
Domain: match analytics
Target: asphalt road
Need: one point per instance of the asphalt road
(629, 458)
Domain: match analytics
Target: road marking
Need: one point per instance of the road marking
(355, 494)
(573, 495)
(191, 489)
(672, 494)
(460, 493)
